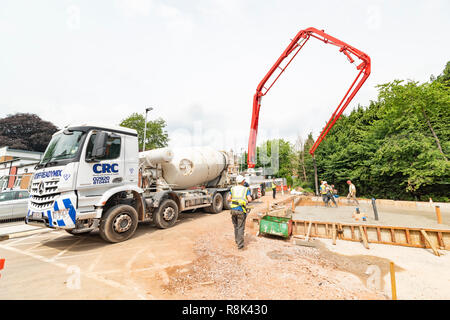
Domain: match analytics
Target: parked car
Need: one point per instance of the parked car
(13, 204)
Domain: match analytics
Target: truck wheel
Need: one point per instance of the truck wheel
(118, 223)
(226, 203)
(216, 205)
(167, 214)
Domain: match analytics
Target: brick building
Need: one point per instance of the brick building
(16, 167)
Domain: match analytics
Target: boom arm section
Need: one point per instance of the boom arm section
(288, 55)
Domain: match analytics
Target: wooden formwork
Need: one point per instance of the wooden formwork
(401, 236)
(393, 235)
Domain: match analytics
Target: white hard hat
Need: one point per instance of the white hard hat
(325, 182)
(239, 179)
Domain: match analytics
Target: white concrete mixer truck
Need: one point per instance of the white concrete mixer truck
(94, 177)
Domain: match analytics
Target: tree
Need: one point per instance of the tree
(26, 131)
(156, 135)
(396, 148)
(299, 162)
(444, 77)
(282, 162)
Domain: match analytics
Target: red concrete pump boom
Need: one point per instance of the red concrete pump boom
(289, 54)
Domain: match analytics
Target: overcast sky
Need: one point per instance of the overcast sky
(198, 62)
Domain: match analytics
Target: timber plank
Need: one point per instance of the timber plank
(427, 238)
(440, 240)
(393, 235)
(408, 238)
(403, 236)
(364, 238)
(334, 234)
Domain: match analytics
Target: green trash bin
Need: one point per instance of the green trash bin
(277, 226)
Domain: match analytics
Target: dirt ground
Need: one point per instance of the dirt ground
(196, 259)
(267, 269)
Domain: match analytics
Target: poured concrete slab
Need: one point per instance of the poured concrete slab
(388, 216)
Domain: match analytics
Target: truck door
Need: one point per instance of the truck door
(95, 176)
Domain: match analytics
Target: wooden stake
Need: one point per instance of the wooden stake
(393, 286)
(333, 231)
(438, 214)
(309, 231)
(425, 235)
(363, 236)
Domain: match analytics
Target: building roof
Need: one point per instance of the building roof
(18, 150)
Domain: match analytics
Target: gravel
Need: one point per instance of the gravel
(268, 268)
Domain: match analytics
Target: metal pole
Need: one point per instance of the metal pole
(315, 176)
(375, 211)
(145, 130)
(145, 127)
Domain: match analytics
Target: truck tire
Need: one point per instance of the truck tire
(167, 214)
(118, 223)
(226, 203)
(216, 205)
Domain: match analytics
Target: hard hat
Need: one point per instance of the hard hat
(325, 182)
(348, 181)
(239, 179)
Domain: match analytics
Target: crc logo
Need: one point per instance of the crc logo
(105, 168)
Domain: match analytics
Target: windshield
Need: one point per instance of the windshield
(63, 146)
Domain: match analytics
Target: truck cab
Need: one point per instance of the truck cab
(81, 168)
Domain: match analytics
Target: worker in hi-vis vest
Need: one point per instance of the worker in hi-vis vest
(274, 189)
(323, 193)
(238, 198)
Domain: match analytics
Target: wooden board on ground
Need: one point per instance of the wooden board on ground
(402, 236)
(363, 237)
(425, 235)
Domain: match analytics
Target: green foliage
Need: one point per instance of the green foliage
(284, 149)
(156, 135)
(444, 77)
(396, 148)
(26, 131)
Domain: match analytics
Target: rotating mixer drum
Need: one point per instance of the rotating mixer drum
(187, 167)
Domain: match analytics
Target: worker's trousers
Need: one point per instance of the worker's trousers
(274, 193)
(353, 197)
(325, 199)
(331, 197)
(238, 219)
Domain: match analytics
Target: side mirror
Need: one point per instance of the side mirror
(99, 148)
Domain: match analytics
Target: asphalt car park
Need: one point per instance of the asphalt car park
(58, 265)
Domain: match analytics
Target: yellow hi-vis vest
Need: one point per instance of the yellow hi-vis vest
(323, 189)
(239, 197)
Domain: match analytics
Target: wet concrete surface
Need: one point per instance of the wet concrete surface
(388, 216)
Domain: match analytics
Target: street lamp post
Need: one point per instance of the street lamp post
(145, 126)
